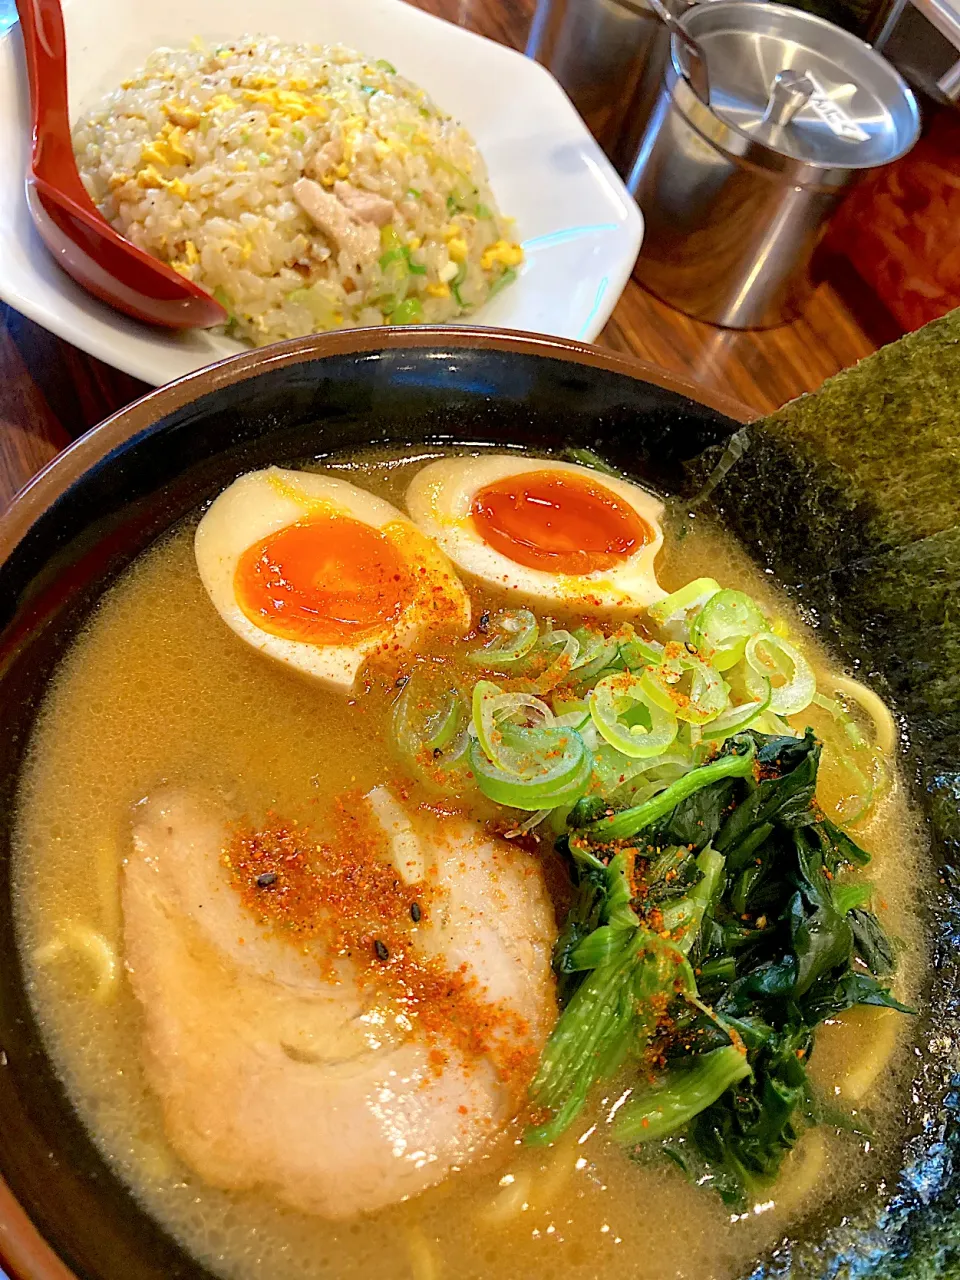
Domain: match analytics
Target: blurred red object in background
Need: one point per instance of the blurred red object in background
(900, 228)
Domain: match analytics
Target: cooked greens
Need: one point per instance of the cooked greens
(707, 952)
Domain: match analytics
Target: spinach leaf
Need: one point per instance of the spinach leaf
(832, 996)
(822, 939)
(788, 770)
(839, 849)
(695, 821)
(871, 943)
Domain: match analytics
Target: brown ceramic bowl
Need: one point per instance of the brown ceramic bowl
(63, 1212)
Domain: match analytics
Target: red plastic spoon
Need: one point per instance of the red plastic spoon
(83, 242)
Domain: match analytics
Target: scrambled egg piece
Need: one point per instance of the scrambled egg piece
(502, 252)
(167, 147)
(439, 290)
(341, 171)
(457, 249)
(221, 102)
(288, 104)
(150, 178)
(350, 135)
(180, 113)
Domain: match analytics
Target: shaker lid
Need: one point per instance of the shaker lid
(837, 105)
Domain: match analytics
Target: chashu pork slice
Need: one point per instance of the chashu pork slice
(275, 1071)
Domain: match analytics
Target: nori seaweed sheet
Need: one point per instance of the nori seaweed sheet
(852, 497)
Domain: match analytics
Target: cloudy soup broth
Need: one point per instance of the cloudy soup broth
(158, 697)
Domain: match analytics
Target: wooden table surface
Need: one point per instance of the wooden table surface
(50, 391)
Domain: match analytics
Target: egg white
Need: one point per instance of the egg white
(440, 497)
(263, 502)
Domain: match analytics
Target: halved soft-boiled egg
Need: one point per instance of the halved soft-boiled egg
(319, 574)
(546, 529)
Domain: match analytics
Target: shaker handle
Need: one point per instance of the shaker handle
(788, 93)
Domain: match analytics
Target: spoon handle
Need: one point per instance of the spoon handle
(44, 43)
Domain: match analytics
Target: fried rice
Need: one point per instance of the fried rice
(306, 187)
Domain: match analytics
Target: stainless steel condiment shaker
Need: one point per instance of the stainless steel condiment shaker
(736, 194)
(607, 54)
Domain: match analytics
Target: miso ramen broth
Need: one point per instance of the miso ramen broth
(158, 693)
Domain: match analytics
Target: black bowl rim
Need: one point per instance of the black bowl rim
(23, 1251)
(57, 476)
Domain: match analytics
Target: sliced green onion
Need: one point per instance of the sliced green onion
(697, 700)
(446, 722)
(400, 254)
(412, 191)
(428, 720)
(391, 256)
(597, 652)
(571, 713)
(629, 719)
(482, 211)
(683, 1094)
(558, 767)
(768, 657)
(736, 718)
(457, 281)
(501, 282)
(383, 65)
(769, 723)
(612, 769)
(562, 665)
(635, 652)
(519, 631)
(629, 822)
(221, 296)
(588, 458)
(722, 627)
(492, 708)
(674, 608)
(528, 824)
(407, 312)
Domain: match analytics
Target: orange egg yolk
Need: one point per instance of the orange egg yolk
(325, 580)
(558, 522)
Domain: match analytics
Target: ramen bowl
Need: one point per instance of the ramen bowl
(834, 544)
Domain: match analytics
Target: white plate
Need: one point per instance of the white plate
(579, 226)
